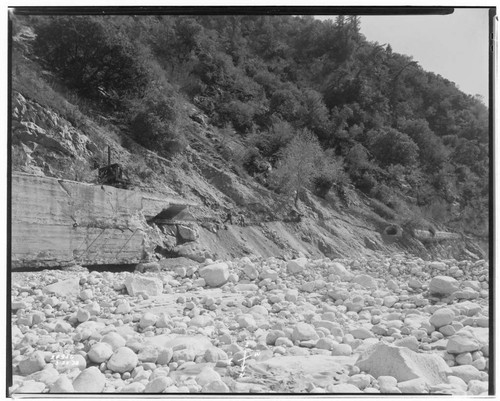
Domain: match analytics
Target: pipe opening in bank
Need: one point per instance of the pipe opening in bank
(111, 268)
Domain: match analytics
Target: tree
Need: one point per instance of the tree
(215, 69)
(188, 36)
(298, 165)
(91, 56)
(467, 152)
(432, 152)
(357, 158)
(239, 114)
(315, 115)
(330, 173)
(284, 104)
(156, 126)
(393, 147)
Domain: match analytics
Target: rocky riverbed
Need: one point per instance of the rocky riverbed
(385, 324)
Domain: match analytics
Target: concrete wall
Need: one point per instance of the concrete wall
(58, 222)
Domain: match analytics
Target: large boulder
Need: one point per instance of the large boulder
(215, 274)
(296, 266)
(123, 360)
(148, 267)
(90, 380)
(463, 341)
(172, 264)
(64, 288)
(62, 385)
(47, 375)
(414, 386)
(361, 333)
(410, 342)
(158, 385)
(187, 233)
(404, 364)
(319, 370)
(193, 251)
(334, 327)
(442, 317)
(114, 340)
(30, 386)
(143, 285)
(303, 332)
(32, 363)
(440, 266)
(196, 344)
(481, 334)
(100, 352)
(339, 269)
(207, 376)
(366, 281)
(466, 373)
(250, 271)
(201, 321)
(477, 387)
(443, 285)
(468, 308)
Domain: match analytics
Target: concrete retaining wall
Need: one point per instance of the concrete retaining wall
(58, 222)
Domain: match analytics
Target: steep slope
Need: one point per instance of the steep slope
(62, 129)
(46, 144)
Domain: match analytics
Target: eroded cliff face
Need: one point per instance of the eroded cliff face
(45, 144)
(60, 223)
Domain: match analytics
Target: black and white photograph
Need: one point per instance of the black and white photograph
(231, 201)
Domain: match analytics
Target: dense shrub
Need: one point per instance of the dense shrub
(239, 114)
(298, 165)
(304, 165)
(28, 79)
(393, 147)
(251, 160)
(215, 69)
(322, 185)
(91, 56)
(381, 192)
(365, 182)
(271, 141)
(268, 81)
(330, 173)
(156, 127)
(357, 158)
(315, 114)
(284, 104)
(139, 168)
(432, 152)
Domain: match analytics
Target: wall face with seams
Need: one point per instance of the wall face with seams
(58, 223)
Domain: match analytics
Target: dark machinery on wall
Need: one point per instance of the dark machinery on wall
(113, 174)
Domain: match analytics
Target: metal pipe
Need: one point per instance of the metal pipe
(425, 235)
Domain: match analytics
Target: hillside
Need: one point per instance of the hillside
(266, 117)
(242, 204)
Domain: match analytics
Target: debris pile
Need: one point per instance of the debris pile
(382, 324)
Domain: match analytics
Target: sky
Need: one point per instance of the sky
(454, 46)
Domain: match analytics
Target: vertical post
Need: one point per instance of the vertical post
(109, 155)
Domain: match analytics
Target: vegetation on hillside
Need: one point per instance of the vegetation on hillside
(290, 87)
